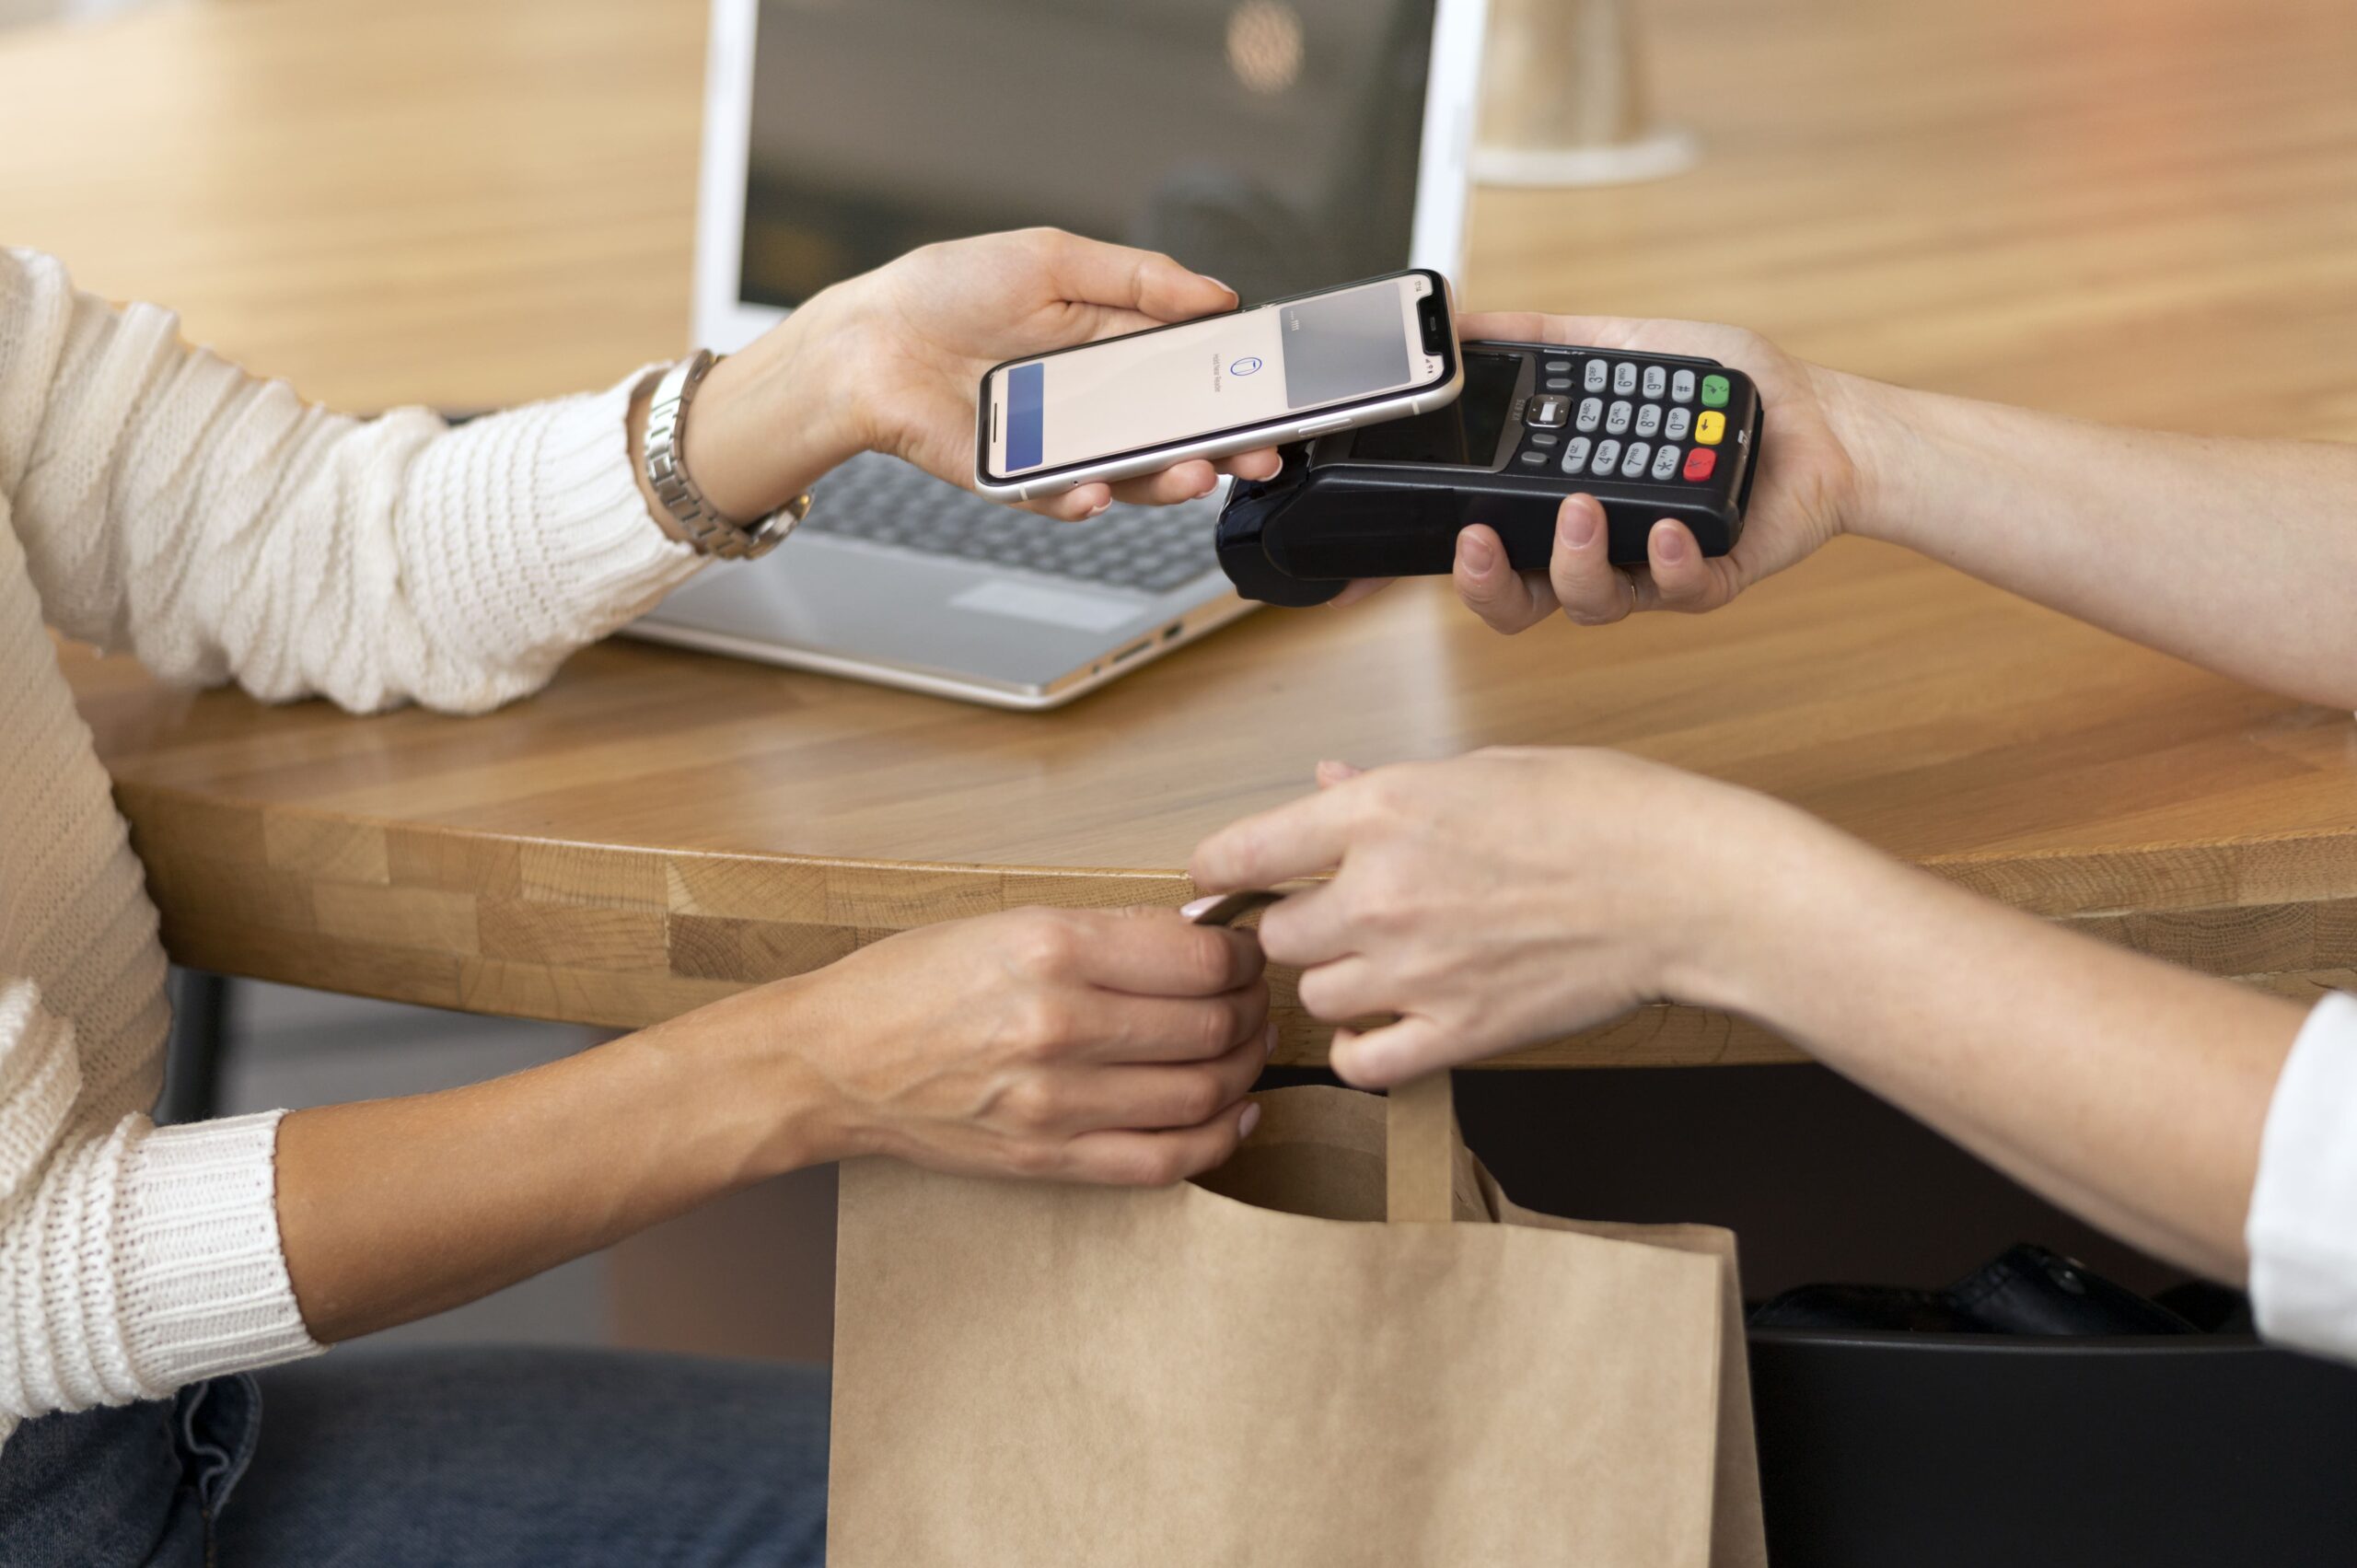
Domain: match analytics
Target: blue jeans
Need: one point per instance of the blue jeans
(462, 1458)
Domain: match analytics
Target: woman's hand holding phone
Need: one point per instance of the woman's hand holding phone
(889, 361)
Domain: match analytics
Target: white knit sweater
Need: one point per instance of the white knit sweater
(155, 499)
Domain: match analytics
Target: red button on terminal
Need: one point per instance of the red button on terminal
(1699, 464)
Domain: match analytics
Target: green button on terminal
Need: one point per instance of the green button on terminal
(1714, 391)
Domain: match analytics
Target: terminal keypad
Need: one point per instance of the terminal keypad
(1602, 417)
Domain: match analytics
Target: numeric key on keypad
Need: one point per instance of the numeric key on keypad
(1649, 420)
(1666, 463)
(1616, 422)
(1624, 379)
(1655, 380)
(1591, 415)
(1575, 453)
(1681, 385)
(1595, 376)
(1635, 463)
(1608, 457)
(1681, 421)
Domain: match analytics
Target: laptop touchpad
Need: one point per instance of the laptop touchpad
(856, 601)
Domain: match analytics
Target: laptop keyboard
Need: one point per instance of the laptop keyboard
(885, 501)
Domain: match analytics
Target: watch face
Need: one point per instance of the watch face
(771, 530)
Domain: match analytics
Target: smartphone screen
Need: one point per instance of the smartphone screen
(1203, 378)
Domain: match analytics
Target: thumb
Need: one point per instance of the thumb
(1089, 272)
(1504, 598)
(1168, 292)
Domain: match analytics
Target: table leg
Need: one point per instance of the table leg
(199, 1046)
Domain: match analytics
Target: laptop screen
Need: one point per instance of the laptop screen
(1271, 144)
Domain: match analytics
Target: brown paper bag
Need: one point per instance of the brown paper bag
(1256, 1369)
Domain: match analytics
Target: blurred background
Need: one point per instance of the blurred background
(19, 11)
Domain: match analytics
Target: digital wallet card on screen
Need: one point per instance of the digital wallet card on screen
(1135, 404)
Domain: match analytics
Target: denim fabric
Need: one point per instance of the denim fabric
(465, 1459)
(132, 1486)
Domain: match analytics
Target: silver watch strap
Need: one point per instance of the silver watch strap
(708, 532)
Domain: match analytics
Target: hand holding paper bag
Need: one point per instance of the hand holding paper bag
(1083, 1045)
(1508, 896)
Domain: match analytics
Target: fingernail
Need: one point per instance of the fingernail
(1269, 1041)
(1669, 543)
(1098, 508)
(1249, 1119)
(1474, 552)
(1209, 278)
(1206, 490)
(1581, 514)
(1196, 909)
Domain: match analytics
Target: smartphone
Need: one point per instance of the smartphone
(1292, 368)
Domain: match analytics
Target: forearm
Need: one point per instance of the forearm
(2124, 1088)
(392, 1210)
(2239, 555)
(984, 1045)
(222, 529)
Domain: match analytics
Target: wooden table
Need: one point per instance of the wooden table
(2143, 212)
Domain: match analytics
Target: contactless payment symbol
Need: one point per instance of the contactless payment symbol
(1245, 365)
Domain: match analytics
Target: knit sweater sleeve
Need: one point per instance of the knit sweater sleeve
(133, 1258)
(219, 528)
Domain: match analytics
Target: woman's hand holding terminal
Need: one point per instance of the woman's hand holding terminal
(2235, 555)
(1806, 491)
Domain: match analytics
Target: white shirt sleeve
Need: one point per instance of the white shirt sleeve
(2303, 1226)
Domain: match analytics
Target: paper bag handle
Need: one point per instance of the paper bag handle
(1420, 1152)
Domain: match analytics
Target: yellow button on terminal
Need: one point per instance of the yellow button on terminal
(1708, 427)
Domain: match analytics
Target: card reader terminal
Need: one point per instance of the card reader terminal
(1650, 435)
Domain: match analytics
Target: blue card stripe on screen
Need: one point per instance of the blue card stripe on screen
(1025, 389)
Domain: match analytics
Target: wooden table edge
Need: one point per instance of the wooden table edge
(619, 936)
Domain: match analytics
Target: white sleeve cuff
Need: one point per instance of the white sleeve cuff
(2303, 1227)
(203, 1287)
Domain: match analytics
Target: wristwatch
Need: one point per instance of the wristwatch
(708, 532)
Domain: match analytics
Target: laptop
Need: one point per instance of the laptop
(1276, 144)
